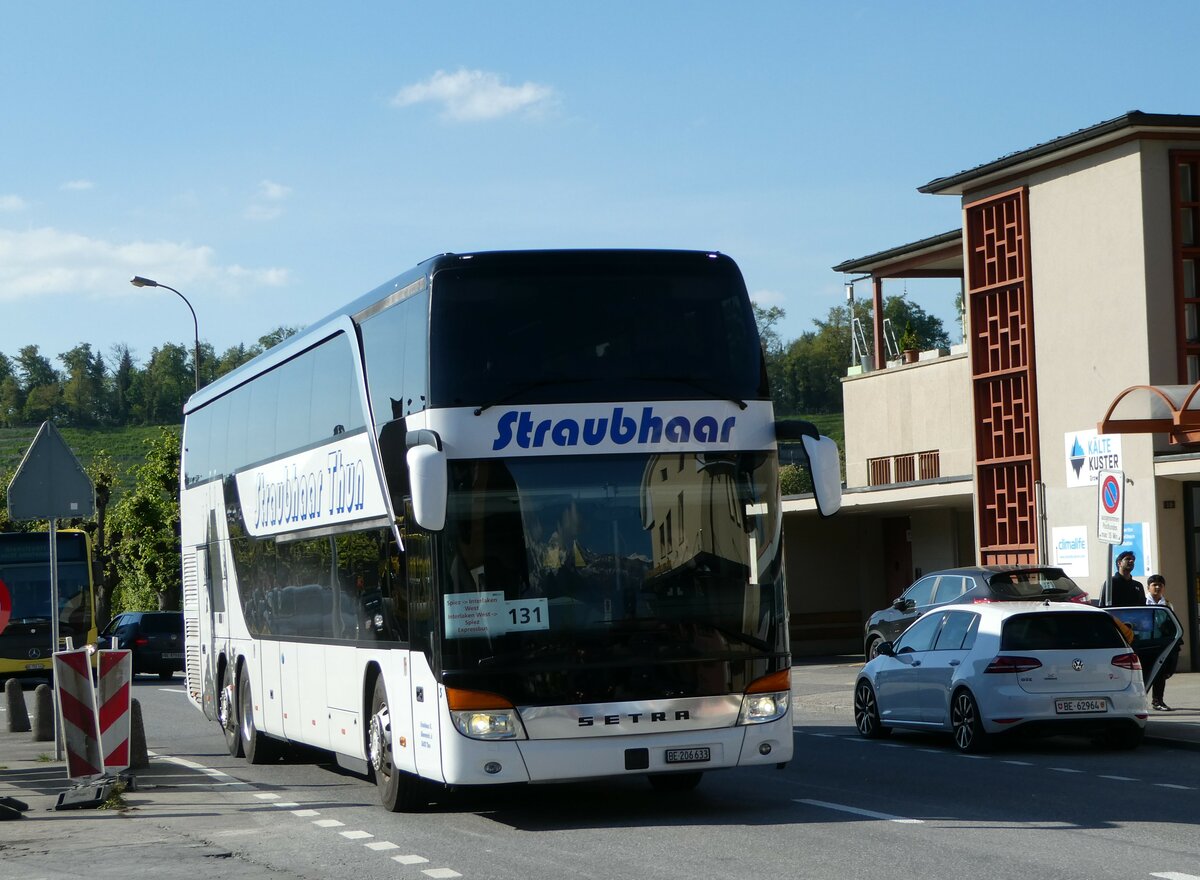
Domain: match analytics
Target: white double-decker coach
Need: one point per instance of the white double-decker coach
(511, 517)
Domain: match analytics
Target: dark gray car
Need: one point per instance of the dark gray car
(988, 583)
(155, 639)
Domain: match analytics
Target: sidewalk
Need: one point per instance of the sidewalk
(824, 687)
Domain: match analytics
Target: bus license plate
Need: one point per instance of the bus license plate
(688, 756)
(1067, 707)
(30, 667)
(172, 656)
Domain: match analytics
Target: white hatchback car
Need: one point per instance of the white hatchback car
(981, 670)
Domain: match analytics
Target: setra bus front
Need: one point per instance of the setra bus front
(600, 474)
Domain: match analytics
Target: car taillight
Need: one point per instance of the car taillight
(1127, 661)
(980, 600)
(1013, 664)
(1082, 599)
(141, 641)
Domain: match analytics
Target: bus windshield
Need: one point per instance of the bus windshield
(620, 561)
(679, 329)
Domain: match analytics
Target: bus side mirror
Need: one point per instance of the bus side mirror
(428, 482)
(823, 462)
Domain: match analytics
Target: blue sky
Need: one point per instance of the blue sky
(273, 160)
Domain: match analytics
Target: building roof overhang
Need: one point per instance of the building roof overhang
(930, 257)
(1173, 410)
(1133, 124)
(952, 492)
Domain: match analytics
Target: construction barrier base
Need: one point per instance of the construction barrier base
(91, 795)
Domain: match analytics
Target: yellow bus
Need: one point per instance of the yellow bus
(25, 613)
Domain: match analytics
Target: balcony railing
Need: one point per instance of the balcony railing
(907, 468)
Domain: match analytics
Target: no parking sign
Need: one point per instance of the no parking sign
(1110, 523)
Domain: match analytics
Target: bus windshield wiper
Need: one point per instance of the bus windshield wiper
(523, 389)
(699, 386)
(34, 619)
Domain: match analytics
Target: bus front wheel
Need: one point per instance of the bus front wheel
(398, 791)
(227, 712)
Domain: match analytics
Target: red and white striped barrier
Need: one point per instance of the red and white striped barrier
(77, 714)
(112, 697)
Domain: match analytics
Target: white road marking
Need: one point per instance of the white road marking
(382, 845)
(856, 811)
(974, 757)
(440, 873)
(1175, 875)
(1064, 770)
(1119, 778)
(306, 813)
(266, 796)
(1020, 763)
(410, 860)
(356, 835)
(329, 823)
(1172, 785)
(286, 805)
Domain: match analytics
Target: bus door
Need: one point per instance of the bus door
(424, 723)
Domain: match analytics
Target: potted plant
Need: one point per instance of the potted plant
(909, 344)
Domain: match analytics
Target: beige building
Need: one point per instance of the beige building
(1082, 342)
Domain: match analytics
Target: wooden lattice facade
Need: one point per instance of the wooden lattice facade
(1000, 306)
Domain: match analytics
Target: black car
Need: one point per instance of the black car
(988, 583)
(154, 637)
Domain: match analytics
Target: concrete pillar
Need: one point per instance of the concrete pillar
(43, 714)
(138, 755)
(14, 699)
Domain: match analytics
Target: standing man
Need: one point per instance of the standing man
(1123, 590)
(1157, 583)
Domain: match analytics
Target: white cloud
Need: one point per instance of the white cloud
(473, 95)
(49, 262)
(12, 203)
(267, 204)
(768, 298)
(272, 191)
(76, 185)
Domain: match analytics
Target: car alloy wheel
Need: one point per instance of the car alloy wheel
(866, 712)
(969, 735)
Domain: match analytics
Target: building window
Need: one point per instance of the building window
(1185, 213)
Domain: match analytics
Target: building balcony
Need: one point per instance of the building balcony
(909, 422)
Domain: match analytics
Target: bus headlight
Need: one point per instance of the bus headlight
(767, 698)
(761, 708)
(483, 715)
(493, 724)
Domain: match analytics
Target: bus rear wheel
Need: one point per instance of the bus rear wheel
(257, 747)
(227, 712)
(398, 791)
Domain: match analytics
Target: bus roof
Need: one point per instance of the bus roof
(316, 331)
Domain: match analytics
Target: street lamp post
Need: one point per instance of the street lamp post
(139, 281)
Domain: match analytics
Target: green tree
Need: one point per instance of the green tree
(12, 402)
(145, 531)
(83, 386)
(105, 478)
(42, 403)
(33, 370)
(275, 337)
(119, 406)
(164, 385)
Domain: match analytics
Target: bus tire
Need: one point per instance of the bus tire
(398, 791)
(675, 782)
(227, 715)
(257, 747)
